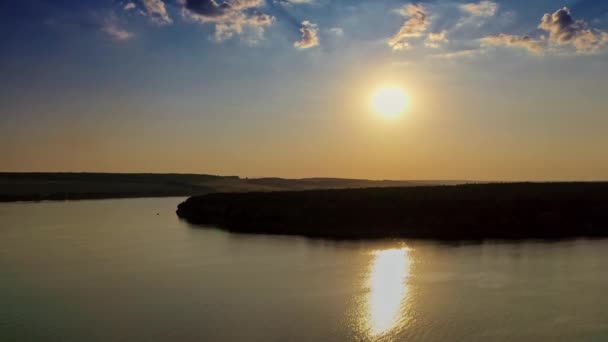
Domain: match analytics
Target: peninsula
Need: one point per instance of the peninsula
(456, 212)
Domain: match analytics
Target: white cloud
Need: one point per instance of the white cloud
(462, 54)
(230, 18)
(525, 42)
(157, 11)
(112, 28)
(129, 6)
(310, 37)
(434, 40)
(480, 9)
(413, 27)
(337, 31)
(295, 2)
(564, 30)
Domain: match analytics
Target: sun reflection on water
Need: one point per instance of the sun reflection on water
(388, 291)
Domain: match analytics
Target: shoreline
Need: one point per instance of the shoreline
(61, 186)
(82, 197)
(440, 240)
(505, 211)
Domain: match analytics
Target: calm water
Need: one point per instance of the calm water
(114, 270)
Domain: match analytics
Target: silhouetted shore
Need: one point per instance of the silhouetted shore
(44, 186)
(461, 212)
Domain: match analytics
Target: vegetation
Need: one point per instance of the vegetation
(65, 186)
(62, 186)
(474, 211)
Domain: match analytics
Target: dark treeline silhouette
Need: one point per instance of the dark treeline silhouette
(37, 186)
(461, 212)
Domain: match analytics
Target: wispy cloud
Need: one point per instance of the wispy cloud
(111, 27)
(480, 9)
(434, 40)
(477, 14)
(461, 54)
(295, 2)
(413, 27)
(157, 11)
(310, 37)
(336, 31)
(526, 42)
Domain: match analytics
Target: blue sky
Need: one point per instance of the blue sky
(280, 88)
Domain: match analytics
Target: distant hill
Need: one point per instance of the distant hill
(36, 186)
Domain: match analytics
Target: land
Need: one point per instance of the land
(459, 212)
(73, 186)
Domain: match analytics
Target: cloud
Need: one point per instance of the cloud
(434, 40)
(310, 38)
(413, 27)
(481, 9)
(129, 6)
(564, 30)
(117, 33)
(462, 54)
(294, 2)
(211, 9)
(157, 11)
(229, 17)
(337, 31)
(112, 28)
(526, 42)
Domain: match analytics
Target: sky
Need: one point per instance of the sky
(504, 90)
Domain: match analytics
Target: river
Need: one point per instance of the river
(130, 270)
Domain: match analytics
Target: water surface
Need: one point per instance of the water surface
(130, 270)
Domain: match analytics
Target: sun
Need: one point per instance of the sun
(389, 101)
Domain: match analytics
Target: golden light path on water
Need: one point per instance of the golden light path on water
(388, 291)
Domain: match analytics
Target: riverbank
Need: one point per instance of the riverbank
(460, 212)
(45, 186)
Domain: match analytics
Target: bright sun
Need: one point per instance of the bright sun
(389, 101)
